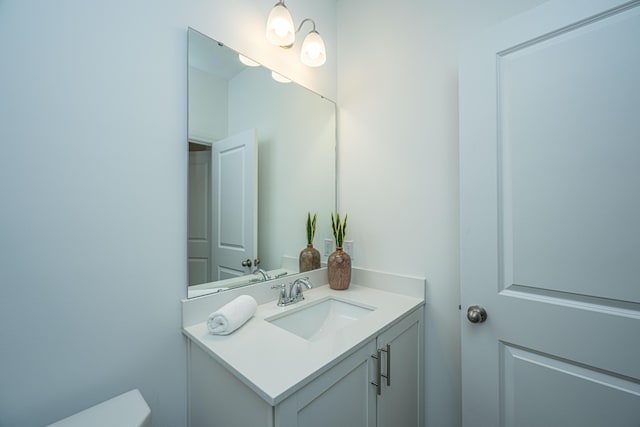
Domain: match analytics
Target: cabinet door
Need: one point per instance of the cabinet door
(341, 397)
(400, 400)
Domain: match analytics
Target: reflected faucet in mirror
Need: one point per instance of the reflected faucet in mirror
(264, 274)
(289, 146)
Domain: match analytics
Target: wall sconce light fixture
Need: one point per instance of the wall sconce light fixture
(281, 32)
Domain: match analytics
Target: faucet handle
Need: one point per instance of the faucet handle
(303, 281)
(282, 287)
(282, 295)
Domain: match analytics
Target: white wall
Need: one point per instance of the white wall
(208, 98)
(296, 160)
(397, 94)
(93, 171)
(93, 193)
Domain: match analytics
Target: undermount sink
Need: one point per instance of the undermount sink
(321, 318)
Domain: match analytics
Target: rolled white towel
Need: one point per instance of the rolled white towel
(232, 315)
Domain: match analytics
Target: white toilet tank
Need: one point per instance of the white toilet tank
(126, 410)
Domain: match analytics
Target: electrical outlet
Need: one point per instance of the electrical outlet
(348, 248)
(328, 247)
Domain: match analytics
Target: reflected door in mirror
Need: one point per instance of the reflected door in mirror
(199, 244)
(235, 204)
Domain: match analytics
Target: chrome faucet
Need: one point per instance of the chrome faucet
(265, 275)
(295, 291)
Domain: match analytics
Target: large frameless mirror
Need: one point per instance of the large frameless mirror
(262, 154)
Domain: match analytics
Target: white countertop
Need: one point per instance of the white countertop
(276, 363)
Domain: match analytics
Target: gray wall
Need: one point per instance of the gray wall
(93, 194)
(93, 171)
(397, 93)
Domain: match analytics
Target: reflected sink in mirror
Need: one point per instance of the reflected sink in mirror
(321, 318)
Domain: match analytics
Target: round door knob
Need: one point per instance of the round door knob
(476, 314)
(246, 263)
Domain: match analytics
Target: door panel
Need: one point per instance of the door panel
(582, 396)
(199, 243)
(341, 396)
(568, 159)
(550, 197)
(331, 408)
(235, 204)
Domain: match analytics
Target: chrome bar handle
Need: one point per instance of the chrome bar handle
(388, 351)
(378, 382)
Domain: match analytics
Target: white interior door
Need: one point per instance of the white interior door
(550, 217)
(235, 204)
(199, 239)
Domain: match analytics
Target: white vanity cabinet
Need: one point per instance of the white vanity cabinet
(400, 401)
(342, 395)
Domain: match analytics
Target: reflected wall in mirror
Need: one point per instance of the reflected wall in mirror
(261, 155)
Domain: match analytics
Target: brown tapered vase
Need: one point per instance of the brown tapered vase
(309, 259)
(339, 270)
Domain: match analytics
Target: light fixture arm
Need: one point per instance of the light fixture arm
(289, 46)
(305, 20)
(281, 2)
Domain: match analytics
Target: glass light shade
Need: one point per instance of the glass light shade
(279, 77)
(280, 29)
(246, 61)
(313, 52)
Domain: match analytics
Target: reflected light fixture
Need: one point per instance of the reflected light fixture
(246, 61)
(280, 32)
(279, 77)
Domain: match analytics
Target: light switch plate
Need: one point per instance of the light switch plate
(328, 247)
(348, 248)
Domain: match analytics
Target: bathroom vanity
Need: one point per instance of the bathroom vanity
(339, 358)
